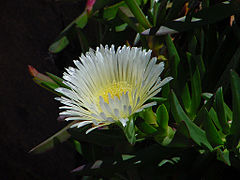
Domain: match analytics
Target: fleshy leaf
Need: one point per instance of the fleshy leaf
(162, 119)
(48, 144)
(211, 131)
(129, 131)
(196, 133)
(59, 44)
(139, 15)
(235, 127)
(221, 111)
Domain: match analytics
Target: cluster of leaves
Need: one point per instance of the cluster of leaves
(194, 128)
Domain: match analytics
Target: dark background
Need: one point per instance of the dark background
(28, 112)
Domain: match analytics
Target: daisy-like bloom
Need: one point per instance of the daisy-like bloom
(109, 86)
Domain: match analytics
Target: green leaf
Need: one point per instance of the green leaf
(126, 15)
(165, 94)
(235, 85)
(145, 128)
(77, 146)
(149, 116)
(136, 10)
(207, 96)
(162, 120)
(180, 141)
(127, 156)
(186, 98)
(197, 134)
(228, 112)
(81, 20)
(159, 100)
(212, 113)
(110, 12)
(196, 91)
(50, 85)
(38, 82)
(129, 131)
(57, 79)
(173, 56)
(200, 64)
(165, 139)
(223, 156)
(99, 4)
(159, 13)
(211, 131)
(221, 111)
(48, 144)
(121, 27)
(208, 106)
(59, 45)
(82, 40)
(192, 45)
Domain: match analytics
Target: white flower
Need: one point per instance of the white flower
(109, 86)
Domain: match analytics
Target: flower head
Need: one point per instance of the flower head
(109, 85)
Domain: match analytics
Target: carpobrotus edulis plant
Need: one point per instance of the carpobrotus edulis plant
(108, 86)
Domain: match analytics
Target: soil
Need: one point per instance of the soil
(29, 113)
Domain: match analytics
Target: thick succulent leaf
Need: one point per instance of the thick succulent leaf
(81, 20)
(111, 11)
(213, 115)
(186, 98)
(211, 131)
(221, 111)
(126, 15)
(159, 100)
(99, 4)
(228, 112)
(49, 143)
(200, 64)
(196, 91)
(129, 131)
(139, 15)
(173, 56)
(223, 156)
(162, 120)
(59, 44)
(149, 116)
(57, 79)
(47, 85)
(145, 127)
(206, 96)
(235, 127)
(197, 134)
(180, 141)
(159, 12)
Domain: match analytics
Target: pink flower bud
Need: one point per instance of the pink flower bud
(39, 75)
(89, 5)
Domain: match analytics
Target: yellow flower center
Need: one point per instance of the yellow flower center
(114, 89)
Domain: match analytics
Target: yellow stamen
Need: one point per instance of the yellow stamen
(114, 89)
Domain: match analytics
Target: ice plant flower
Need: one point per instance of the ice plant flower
(108, 85)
